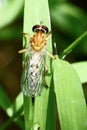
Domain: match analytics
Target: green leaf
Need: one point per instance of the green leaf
(17, 110)
(9, 11)
(14, 117)
(69, 95)
(81, 69)
(73, 45)
(44, 111)
(9, 108)
(36, 115)
(13, 110)
(18, 103)
(4, 100)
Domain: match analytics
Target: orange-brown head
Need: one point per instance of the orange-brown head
(38, 41)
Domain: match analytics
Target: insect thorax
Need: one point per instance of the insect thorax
(38, 41)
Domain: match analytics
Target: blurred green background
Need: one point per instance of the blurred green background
(68, 20)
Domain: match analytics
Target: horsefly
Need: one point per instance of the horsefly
(35, 60)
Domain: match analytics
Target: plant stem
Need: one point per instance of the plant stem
(73, 45)
(15, 115)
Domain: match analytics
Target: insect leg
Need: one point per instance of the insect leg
(44, 72)
(50, 55)
(26, 35)
(44, 64)
(23, 50)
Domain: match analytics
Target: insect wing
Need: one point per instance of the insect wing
(32, 75)
(25, 76)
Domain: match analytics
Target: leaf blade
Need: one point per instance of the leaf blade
(70, 98)
(81, 69)
(39, 14)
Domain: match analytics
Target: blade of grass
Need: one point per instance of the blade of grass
(15, 106)
(81, 69)
(32, 16)
(44, 111)
(8, 122)
(69, 95)
(13, 110)
(4, 100)
(73, 45)
(16, 110)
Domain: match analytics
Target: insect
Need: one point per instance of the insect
(34, 63)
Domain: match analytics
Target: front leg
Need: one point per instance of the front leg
(23, 50)
(50, 55)
(26, 35)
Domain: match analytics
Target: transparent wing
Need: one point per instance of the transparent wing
(31, 81)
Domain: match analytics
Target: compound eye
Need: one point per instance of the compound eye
(35, 28)
(45, 28)
(41, 28)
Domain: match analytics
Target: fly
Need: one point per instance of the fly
(34, 63)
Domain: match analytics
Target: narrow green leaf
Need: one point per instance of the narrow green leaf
(70, 99)
(28, 113)
(18, 103)
(40, 111)
(39, 14)
(4, 100)
(14, 116)
(36, 116)
(44, 111)
(81, 69)
(73, 45)
(13, 110)
(9, 108)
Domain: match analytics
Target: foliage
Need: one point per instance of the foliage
(64, 80)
